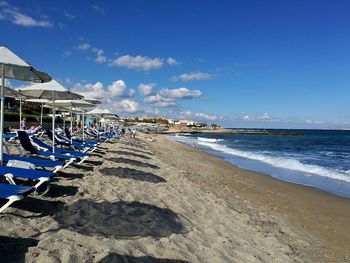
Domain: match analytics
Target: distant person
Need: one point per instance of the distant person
(194, 145)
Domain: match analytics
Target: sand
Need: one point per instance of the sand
(140, 200)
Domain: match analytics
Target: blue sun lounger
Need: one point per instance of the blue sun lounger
(41, 178)
(44, 147)
(87, 142)
(65, 142)
(13, 193)
(37, 162)
(27, 145)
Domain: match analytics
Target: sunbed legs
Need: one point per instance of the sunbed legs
(69, 162)
(83, 159)
(57, 168)
(42, 180)
(11, 199)
(9, 178)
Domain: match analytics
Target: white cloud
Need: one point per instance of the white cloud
(117, 88)
(158, 100)
(146, 89)
(131, 93)
(264, 116)
(201, 115)
(96, 90)
(245, 117)
(172, 62)
(314, 122)
(180, 93)
(69, 15)
(16, 17)
(138, 62)
(101, 59)
(192, 76)
(67, 54)
(83, 46)
(99, 9)
(127, 105)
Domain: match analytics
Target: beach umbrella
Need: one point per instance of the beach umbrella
(51, 91)
(89, 98)
(13, 67)
(98, 112)
(75, 103)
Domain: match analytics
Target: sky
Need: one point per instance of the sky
(253, 64)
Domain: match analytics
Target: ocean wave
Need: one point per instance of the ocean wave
(286, 163)
(208, 139)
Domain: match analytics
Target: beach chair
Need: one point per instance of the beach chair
(13, 193)
(27, 145)
(41, 178)
(60, 140)
(48, 148)
(88, 142)
(37, 162)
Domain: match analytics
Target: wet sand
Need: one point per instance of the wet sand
(140, 200)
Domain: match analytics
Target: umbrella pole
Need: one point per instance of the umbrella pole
(71, 124)
(20, 112)
(53, 122)
(2, 111)
(83, 125)
(41, 114)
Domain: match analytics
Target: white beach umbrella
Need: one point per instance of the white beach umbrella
(75, 103)
(99, 112)
(89, 98)
(51, 91)
(13, 67)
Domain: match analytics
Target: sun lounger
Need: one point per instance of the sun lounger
(88, 142)
(37, 162)
(27, 145)
(48, 148)
(13, 193)
(65, 142)
(41, 178)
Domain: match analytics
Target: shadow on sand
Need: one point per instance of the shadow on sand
(93, 162)
(119, 219)
(117, 258)
(39, 206)
(138, 150)
(129, 173)
(133, 162)
(14, 249)
(83, 167)
(60, 190)
(131, 154)
(69, 176)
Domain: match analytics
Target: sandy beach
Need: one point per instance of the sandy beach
(142, 200)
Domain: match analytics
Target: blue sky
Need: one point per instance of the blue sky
(238, 63)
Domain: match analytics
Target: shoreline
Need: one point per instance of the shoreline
(314, 214)
(334, 186)
(150, 199)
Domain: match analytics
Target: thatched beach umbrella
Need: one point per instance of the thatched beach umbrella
(13, 67)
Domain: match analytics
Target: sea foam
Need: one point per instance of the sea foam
(280, 162)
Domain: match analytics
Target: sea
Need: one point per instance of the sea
(318, 158)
